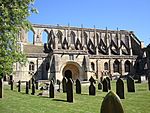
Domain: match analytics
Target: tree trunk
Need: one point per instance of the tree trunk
(1, 87)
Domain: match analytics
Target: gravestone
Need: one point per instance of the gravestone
(78, 86)
(130, 84)
(33, 89)
(105, 85)
(120, 88)
(36, 85)
(51, 90)
(27, 87)
(101, 79)
(69, 90)
(19, 86)
(1, 88)
(100, 86)
(58, 82)
(29, 84)
(92, 89)
(11, 84)
(64, 84)
(111, 104)
(109, 83)
(149, 82)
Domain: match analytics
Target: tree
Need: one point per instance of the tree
(13, 18)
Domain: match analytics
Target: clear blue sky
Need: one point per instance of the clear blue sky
(132, 15)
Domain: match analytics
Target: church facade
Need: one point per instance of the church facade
(83, 52)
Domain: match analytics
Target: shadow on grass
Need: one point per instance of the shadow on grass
(60, 100)
(84, 94)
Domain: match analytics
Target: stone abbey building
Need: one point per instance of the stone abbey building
(83, 52)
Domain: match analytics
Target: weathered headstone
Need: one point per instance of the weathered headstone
(130, 84)
(11, 84)
(100, 85)
(51, 90)
(105, 85)
(29, 84)
(27, 87)
(1, 88)
(78, 86)
(149, 82)
(109, 83)
(19, 86)
(111, 104)
(120, 88)
(69, 89)
(36, 85)
(33, 89)
(92, 89)
(64, 84)
(58, 82)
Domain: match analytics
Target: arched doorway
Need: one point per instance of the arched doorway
(68, 74)
(72, 70)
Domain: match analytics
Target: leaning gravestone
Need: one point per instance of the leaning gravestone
(69, 89)
(120, 88)
(1, 88)
(130, 84)
(19, 86)
(64, 84)
(100, 86)
(149, 82)
(92, 89)
(111, 104)
(78, 86)
(105, 85)
(27, 87)
(33, 89)
(109, 83)
(51, 90)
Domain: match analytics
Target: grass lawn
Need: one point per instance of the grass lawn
(19, 102)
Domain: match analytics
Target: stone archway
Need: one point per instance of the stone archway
(71, 70)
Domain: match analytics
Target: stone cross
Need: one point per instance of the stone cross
(64, 84)
(51, 90)
(92, 89)
(105, 85)
(27, 87)
(100, 85)
(19, 86)
(1, 87)
(78, 86)
(120, 88)
(33, 89)
(109, 83)
(130, 84)
(69, 89)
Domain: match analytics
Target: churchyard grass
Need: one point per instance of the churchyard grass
(19, 102)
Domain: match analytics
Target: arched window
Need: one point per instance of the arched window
(31, 66)
(44, 36)
(92, 66)
(30, 36)
(127, 66)
(105, 66)
(116, 66)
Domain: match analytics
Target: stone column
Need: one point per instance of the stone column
(56, 42)
(130, 46)
(122, 67)
(99, 68)
(108, 43)
(111, 66)
(119, 44)
(95, 40)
